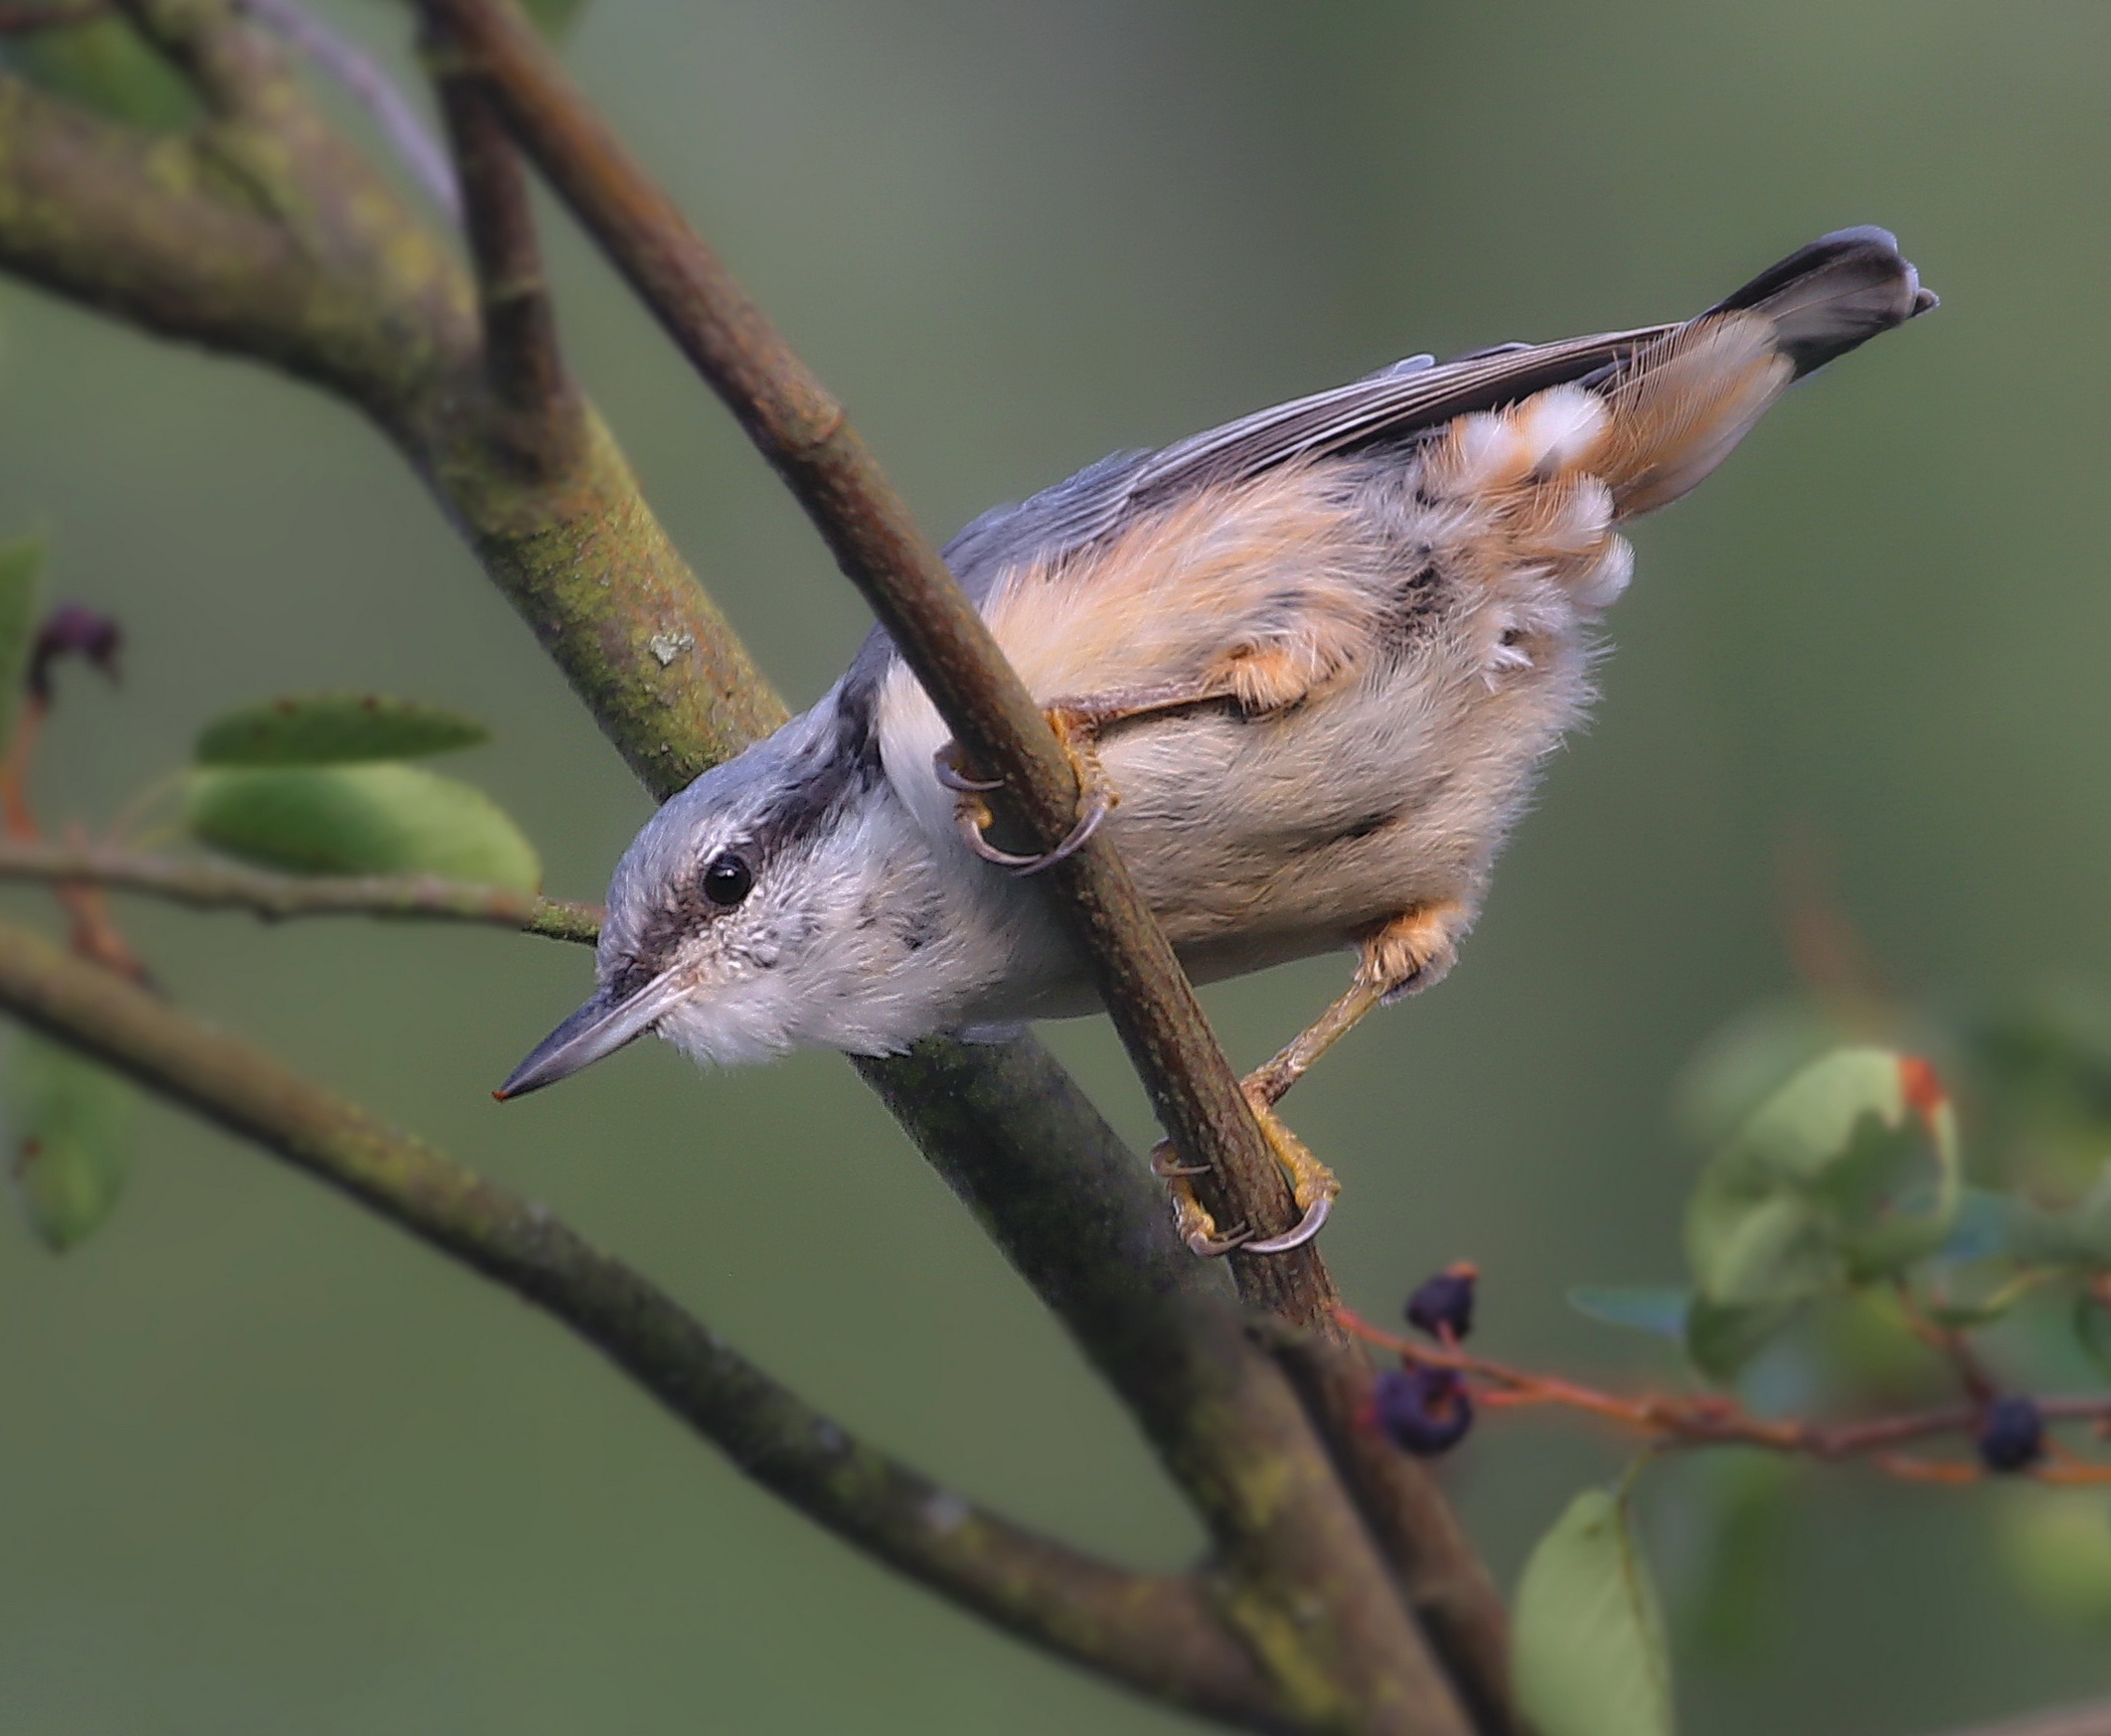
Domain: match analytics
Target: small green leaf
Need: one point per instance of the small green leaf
(1589, 1653)
(1656, 1309)
(70, 1129)
(334, 729)
(1745, 1063)
(103, 66)
(21, 605)
(2055, 1544)
(1720, 1340)
(1814, 1191)
(384, 818)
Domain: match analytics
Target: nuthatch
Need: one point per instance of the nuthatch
(1316, 656)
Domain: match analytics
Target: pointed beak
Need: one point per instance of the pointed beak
(599, 1029)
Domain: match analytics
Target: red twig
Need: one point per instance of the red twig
(1714, 1421)
(95, 935)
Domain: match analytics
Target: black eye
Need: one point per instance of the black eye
(727, 879)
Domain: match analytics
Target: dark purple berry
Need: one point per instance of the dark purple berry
(1443, 1304)
(1426, 1411)
(73, 630)
(2012, 1434)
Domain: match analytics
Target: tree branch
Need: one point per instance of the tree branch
(1153, 1631)
(216, 885)
(535, 411)
(583, 559)
(804, 434)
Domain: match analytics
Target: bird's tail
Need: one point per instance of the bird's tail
(1681, 402)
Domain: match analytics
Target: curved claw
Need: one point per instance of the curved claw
(1204, 1246)
(956, 780)
(1308, 1226)
(971, 819)
(1096, 807)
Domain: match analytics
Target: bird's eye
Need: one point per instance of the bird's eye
(727, 879)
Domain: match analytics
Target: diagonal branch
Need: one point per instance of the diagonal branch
(216, 885)
(804, 434)
(585, 562)
(1155, 1633)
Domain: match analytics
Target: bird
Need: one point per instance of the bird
(1309, 665)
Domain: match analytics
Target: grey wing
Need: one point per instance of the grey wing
(1395, 404)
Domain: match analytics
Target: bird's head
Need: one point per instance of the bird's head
(725, 913)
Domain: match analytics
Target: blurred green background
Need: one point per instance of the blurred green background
(268, 1466)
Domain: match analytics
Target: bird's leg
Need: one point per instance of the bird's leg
(1411, 950)
(1079, 725)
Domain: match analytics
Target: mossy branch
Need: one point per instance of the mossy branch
(576, 548)
(1157, 1633)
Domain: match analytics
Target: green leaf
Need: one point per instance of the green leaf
(382, 819)
(334, 729)
(1589, 1653)
(20, 607)
(1745, 1063)
(103, 66)
(70, 1129)
(1720, 1340)
(1660, 1309)
(1813, 1192)
(2055, 1544)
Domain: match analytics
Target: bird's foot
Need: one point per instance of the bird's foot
(971, 813)
(1313, 1188)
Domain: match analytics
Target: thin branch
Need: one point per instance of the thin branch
(535, 409)
(804, 434)
(362, 79)
(1712, 1420)
(1155, 1633)
(216, 885)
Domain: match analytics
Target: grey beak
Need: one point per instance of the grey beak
(599, 1029)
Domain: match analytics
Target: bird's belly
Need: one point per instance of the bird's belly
(1263, 839)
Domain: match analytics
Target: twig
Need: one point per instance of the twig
(804, 434)
(1154, 1632)
(213, 886)
(362, 79)
(1720, 1422)
(536, 413)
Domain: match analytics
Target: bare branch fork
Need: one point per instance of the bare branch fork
(353, 295)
